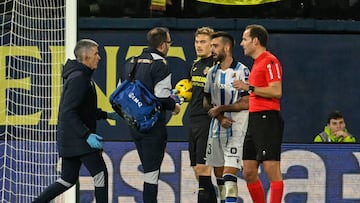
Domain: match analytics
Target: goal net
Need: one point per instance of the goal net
(32, 53)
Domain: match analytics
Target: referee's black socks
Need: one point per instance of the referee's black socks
(206, 193)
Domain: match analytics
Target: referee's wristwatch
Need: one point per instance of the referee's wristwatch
(251, 89)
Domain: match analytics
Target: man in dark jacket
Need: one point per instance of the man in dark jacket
(78, 112)
(152, 70)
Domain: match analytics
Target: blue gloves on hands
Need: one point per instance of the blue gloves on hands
(114, 116)
(178, 99)
(94, 141)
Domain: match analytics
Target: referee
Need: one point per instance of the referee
(262, 142)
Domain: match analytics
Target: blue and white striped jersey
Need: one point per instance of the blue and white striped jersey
(219, 85)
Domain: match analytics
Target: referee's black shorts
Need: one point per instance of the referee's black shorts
(264, 136)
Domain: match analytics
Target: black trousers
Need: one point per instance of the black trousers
(93, 162)
(151, 149)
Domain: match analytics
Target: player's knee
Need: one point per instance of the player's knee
(202, 170)
(99, 179)
(151, 177)
(249, 175)
(219, 171)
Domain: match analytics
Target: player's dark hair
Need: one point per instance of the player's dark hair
(156, 36)
(225, 37)
(258, 31)
(334, 115)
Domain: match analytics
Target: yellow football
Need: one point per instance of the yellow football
(184, 89)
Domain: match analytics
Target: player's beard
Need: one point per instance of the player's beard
(219, 57)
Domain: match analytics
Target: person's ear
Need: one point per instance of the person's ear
(256, 41)
(86, 57)
(163, 46)
(227, 47)
(83, 57)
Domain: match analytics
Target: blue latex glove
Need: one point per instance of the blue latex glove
(178, 99)
(174, 91)
(93, 141)
(114, 116)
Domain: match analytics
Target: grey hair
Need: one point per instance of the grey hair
(82, 47)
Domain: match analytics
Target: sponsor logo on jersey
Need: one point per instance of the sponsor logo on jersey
(206, 70)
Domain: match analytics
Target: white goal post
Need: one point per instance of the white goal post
(32, 51)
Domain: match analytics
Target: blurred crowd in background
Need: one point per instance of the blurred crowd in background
(281, 9)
